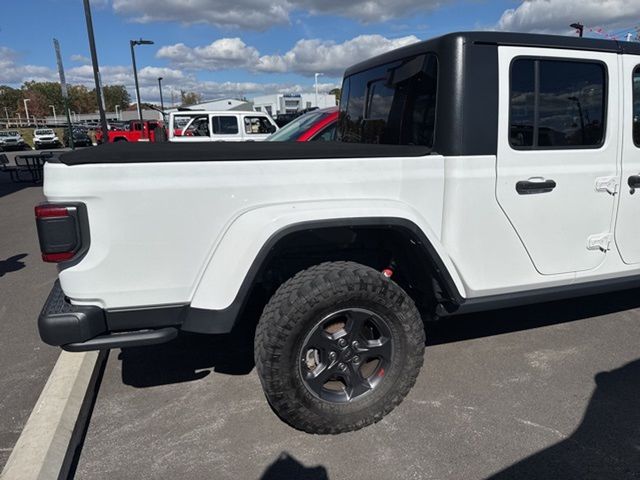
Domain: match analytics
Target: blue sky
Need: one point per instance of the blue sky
(217, 47)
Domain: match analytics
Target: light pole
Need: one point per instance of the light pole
(26, 109)
(6, 112)
(133, 43)
(161, 100)
(579, 28)
(96, 68)
(55, 118)
(316, 77)
(118, 112)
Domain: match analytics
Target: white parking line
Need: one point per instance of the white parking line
(42, 452)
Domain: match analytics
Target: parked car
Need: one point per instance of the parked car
(45, 138)
(12, 140)
(81, 138)
(317, 125)
(150, 131)
(226, 125)
(474, 171)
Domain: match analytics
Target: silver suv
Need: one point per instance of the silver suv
(12, 140)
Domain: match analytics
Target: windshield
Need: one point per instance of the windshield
(44, 132)
(292, 130)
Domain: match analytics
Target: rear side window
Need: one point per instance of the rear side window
(257, 125)
(227, 125)
(557, 104)
(636, 106)
(392, 104)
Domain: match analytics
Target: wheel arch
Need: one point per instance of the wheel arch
(206, 318)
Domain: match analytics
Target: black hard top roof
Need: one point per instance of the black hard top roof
(450, 40)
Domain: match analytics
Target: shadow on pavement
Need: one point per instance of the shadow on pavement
(288, 468)
(192, 357)
(12, 264)
(497, 322)
(606, 445)
(189, 357)
(7, 187)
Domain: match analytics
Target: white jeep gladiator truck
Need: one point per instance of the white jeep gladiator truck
(474, 171)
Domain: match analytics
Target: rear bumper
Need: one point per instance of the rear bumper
(84, 327)
(89, 327)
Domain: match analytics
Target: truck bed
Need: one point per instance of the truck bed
(122, 152)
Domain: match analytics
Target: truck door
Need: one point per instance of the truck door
(557, 153)
(628, 220)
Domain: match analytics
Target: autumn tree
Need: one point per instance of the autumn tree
(189, 98)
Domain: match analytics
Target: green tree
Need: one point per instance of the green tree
(11, 98)
(115, 95)
(337, 92)
(82, 100)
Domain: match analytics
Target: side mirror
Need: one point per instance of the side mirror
(272, 129)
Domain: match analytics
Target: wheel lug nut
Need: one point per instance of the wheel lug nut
(356, 359)
(342, 366)
(332, 355)
(355, 344)
(342, 342)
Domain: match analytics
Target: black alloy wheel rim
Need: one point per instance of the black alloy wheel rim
(346, 355)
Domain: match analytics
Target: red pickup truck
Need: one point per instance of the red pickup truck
(154, 131)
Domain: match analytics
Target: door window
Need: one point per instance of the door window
(557, 104)
(257, 125)
(227, 125)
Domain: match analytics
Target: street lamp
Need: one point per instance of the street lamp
(133, 43)
(316, 76)
(55, 118)
(161, 100)
(26, 109)
(579, 28)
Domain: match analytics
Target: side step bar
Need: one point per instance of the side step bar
(124, 340)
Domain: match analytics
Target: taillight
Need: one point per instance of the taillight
(58, 231)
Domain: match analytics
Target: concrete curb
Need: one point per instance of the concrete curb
(47, 444)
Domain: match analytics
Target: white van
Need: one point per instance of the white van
(226, 126)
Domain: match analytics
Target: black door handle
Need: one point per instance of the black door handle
(527, 187)
(634, 181)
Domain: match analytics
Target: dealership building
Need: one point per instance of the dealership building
(282, 103)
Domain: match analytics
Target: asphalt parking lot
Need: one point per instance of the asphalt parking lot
(543, 392)
(25, 282)
(548, 392)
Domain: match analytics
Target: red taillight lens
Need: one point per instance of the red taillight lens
(50, 211)
(57, 257)
(58, 232)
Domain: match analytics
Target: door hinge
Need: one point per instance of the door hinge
(600, 241)
(607, 184)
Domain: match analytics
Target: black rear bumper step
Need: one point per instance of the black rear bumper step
(80, 328)
(124, 340)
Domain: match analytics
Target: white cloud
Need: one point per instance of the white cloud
(221, 54)
(260, 14)
(554, 16)
(306, 57)
(252, 14)
(80, 58)
(328, 57)
(12, 72)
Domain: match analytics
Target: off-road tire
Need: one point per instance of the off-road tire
(296, 307)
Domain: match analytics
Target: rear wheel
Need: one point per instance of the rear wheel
(338, 347)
